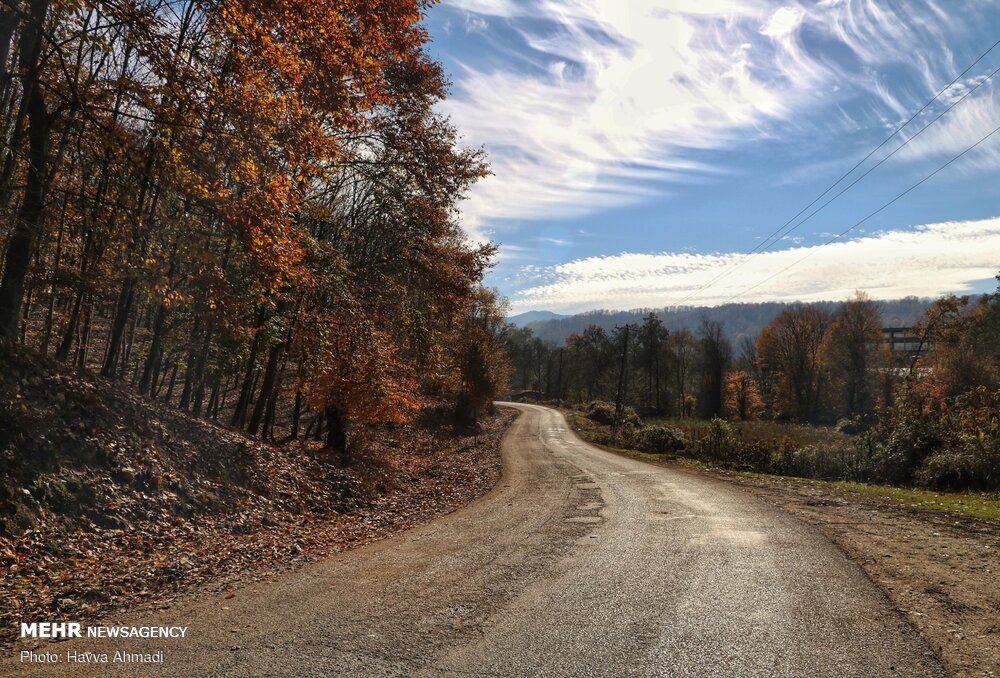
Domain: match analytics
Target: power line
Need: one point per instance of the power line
(770, 240)
(858, 223)
(874, 167)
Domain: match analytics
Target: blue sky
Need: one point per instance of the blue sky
(640, 147)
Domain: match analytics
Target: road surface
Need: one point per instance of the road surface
(580, 563)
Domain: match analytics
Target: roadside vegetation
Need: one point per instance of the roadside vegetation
(978, 505)
(815, 395)
(236, 304)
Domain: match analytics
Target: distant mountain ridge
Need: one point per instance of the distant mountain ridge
(736, 319)
(529, 317)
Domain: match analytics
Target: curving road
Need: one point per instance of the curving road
(580, 563)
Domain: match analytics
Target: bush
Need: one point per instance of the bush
(663, 440)
(949, 471)
(972, 464)
(851, 426)
(719, 439)
(896, 446)
(825, 461)
(601, 412)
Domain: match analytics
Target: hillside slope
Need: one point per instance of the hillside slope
(107, 499)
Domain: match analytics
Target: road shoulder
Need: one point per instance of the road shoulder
(941, 571)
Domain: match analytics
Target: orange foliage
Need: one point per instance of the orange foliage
(742, 396)
(360, 373)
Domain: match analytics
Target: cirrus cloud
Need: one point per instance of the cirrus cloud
(604, 103)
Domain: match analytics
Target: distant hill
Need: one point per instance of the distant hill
(529, 317)
(737, 319)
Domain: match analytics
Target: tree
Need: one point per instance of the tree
(791, 345)
(593, 355)
(27, 223)
(482, 354)
(957, 351)
(742, 397)
(716, 356)
(651, 337)
(249, 210)
(529, 357)
(681, 352)
(855, 355)
(623, 338)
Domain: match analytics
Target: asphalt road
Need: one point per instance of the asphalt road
(580, 563)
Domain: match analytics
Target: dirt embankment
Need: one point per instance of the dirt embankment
(108, 500)
(941, 570)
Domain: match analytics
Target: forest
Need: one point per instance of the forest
(245, 210)
(817, 392)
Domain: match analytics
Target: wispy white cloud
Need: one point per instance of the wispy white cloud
(929, 260)
(619, 94)
(965, 125)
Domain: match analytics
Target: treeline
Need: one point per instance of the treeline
(736, 319)
(927, 413)
(245, 209)
(808, 364)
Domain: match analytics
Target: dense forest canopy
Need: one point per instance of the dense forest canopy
(244, 208)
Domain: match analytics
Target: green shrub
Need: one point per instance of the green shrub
(972, 463)
(601, 412)
(949, 471)
(662, 440)
(720, 436)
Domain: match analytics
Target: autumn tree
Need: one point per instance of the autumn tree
(791, 345)
(247, 210)
(482, 359)
(855, 354)
(957, 350)
(34, 113)
(742, 396)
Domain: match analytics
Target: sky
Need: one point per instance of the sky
(641, 150)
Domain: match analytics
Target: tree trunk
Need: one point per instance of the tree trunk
(129, 342)
(123, 309)
(270, 375)
(47, 329)
(240, 413)
(336, 433)
(81, 357)
(620, 395)
(69, 332)
(8, 22)
(29, 218)
(200, 367)
(173, 380)
(559, 380)
(212, 409)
